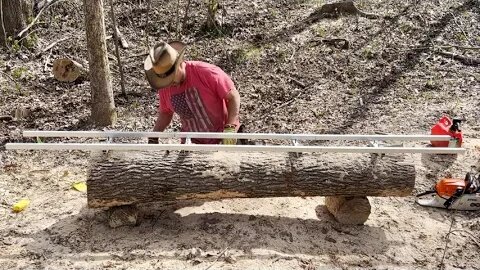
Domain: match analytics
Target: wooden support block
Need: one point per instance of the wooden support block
(353, 210)
(125, 215)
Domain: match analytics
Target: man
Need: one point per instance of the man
(202, 94)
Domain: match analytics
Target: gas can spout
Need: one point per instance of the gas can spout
(456, 125)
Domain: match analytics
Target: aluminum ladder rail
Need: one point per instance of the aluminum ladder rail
(232, 148)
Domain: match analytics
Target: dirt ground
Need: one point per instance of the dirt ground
(396, 76)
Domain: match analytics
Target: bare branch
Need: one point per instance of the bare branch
(469, 61)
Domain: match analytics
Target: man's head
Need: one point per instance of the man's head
(163, 66)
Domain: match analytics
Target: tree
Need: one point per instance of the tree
(103, 107)
(13, 17)
(212, 7)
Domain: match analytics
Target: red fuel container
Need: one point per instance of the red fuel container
(446, 126)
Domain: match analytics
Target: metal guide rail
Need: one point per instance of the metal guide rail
(295, 147)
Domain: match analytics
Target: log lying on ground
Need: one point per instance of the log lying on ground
(67, 70)
(123, 178)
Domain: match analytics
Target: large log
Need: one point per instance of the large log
(123, 178)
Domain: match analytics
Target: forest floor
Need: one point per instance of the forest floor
(393, 74)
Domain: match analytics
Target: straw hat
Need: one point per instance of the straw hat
(162, 63)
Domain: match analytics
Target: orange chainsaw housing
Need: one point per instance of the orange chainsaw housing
(448, 186)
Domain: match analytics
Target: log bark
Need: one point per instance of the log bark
(103, 106)
(139, 177)
(67, 70)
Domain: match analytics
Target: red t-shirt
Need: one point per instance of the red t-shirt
(199, 100)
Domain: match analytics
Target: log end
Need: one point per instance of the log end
(67, 70)
(349, 210)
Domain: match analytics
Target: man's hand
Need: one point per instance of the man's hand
(229, 129)
(152, 140)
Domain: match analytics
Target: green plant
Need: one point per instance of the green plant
(19, 73)
(274, 13)
(241, 56)
(406, 26)
(18, 88)
(31, 41)
(460, 36)
(317, 3)
(431, 84)
(320, 31)
(212, 7)
(13, 44)
(193, 53)
(368, 52)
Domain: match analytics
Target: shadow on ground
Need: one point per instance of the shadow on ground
(163, 231)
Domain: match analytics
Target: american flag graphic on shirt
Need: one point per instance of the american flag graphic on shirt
(190, 107)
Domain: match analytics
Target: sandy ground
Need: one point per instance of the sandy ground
(58, 231)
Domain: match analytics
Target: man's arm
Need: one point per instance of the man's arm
(233, 106)
(163, 120)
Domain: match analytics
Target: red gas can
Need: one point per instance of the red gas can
(447, 126)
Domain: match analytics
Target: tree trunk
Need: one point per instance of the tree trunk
(212, 7)
(103, 107)
(14, 17)
(138, 177)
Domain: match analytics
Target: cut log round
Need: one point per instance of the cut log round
(348, 210)
(66, 70)
(123, 178)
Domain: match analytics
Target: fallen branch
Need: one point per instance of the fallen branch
(46, 60)
(336, 42)
(52, 45)
(123, 41)
(469, 61)
(444, 47)
(138, 55)
(6, 118)
(8, 76)
(19, 35)
(218, 257)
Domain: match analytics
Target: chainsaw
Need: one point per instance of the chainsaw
(453, 193)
